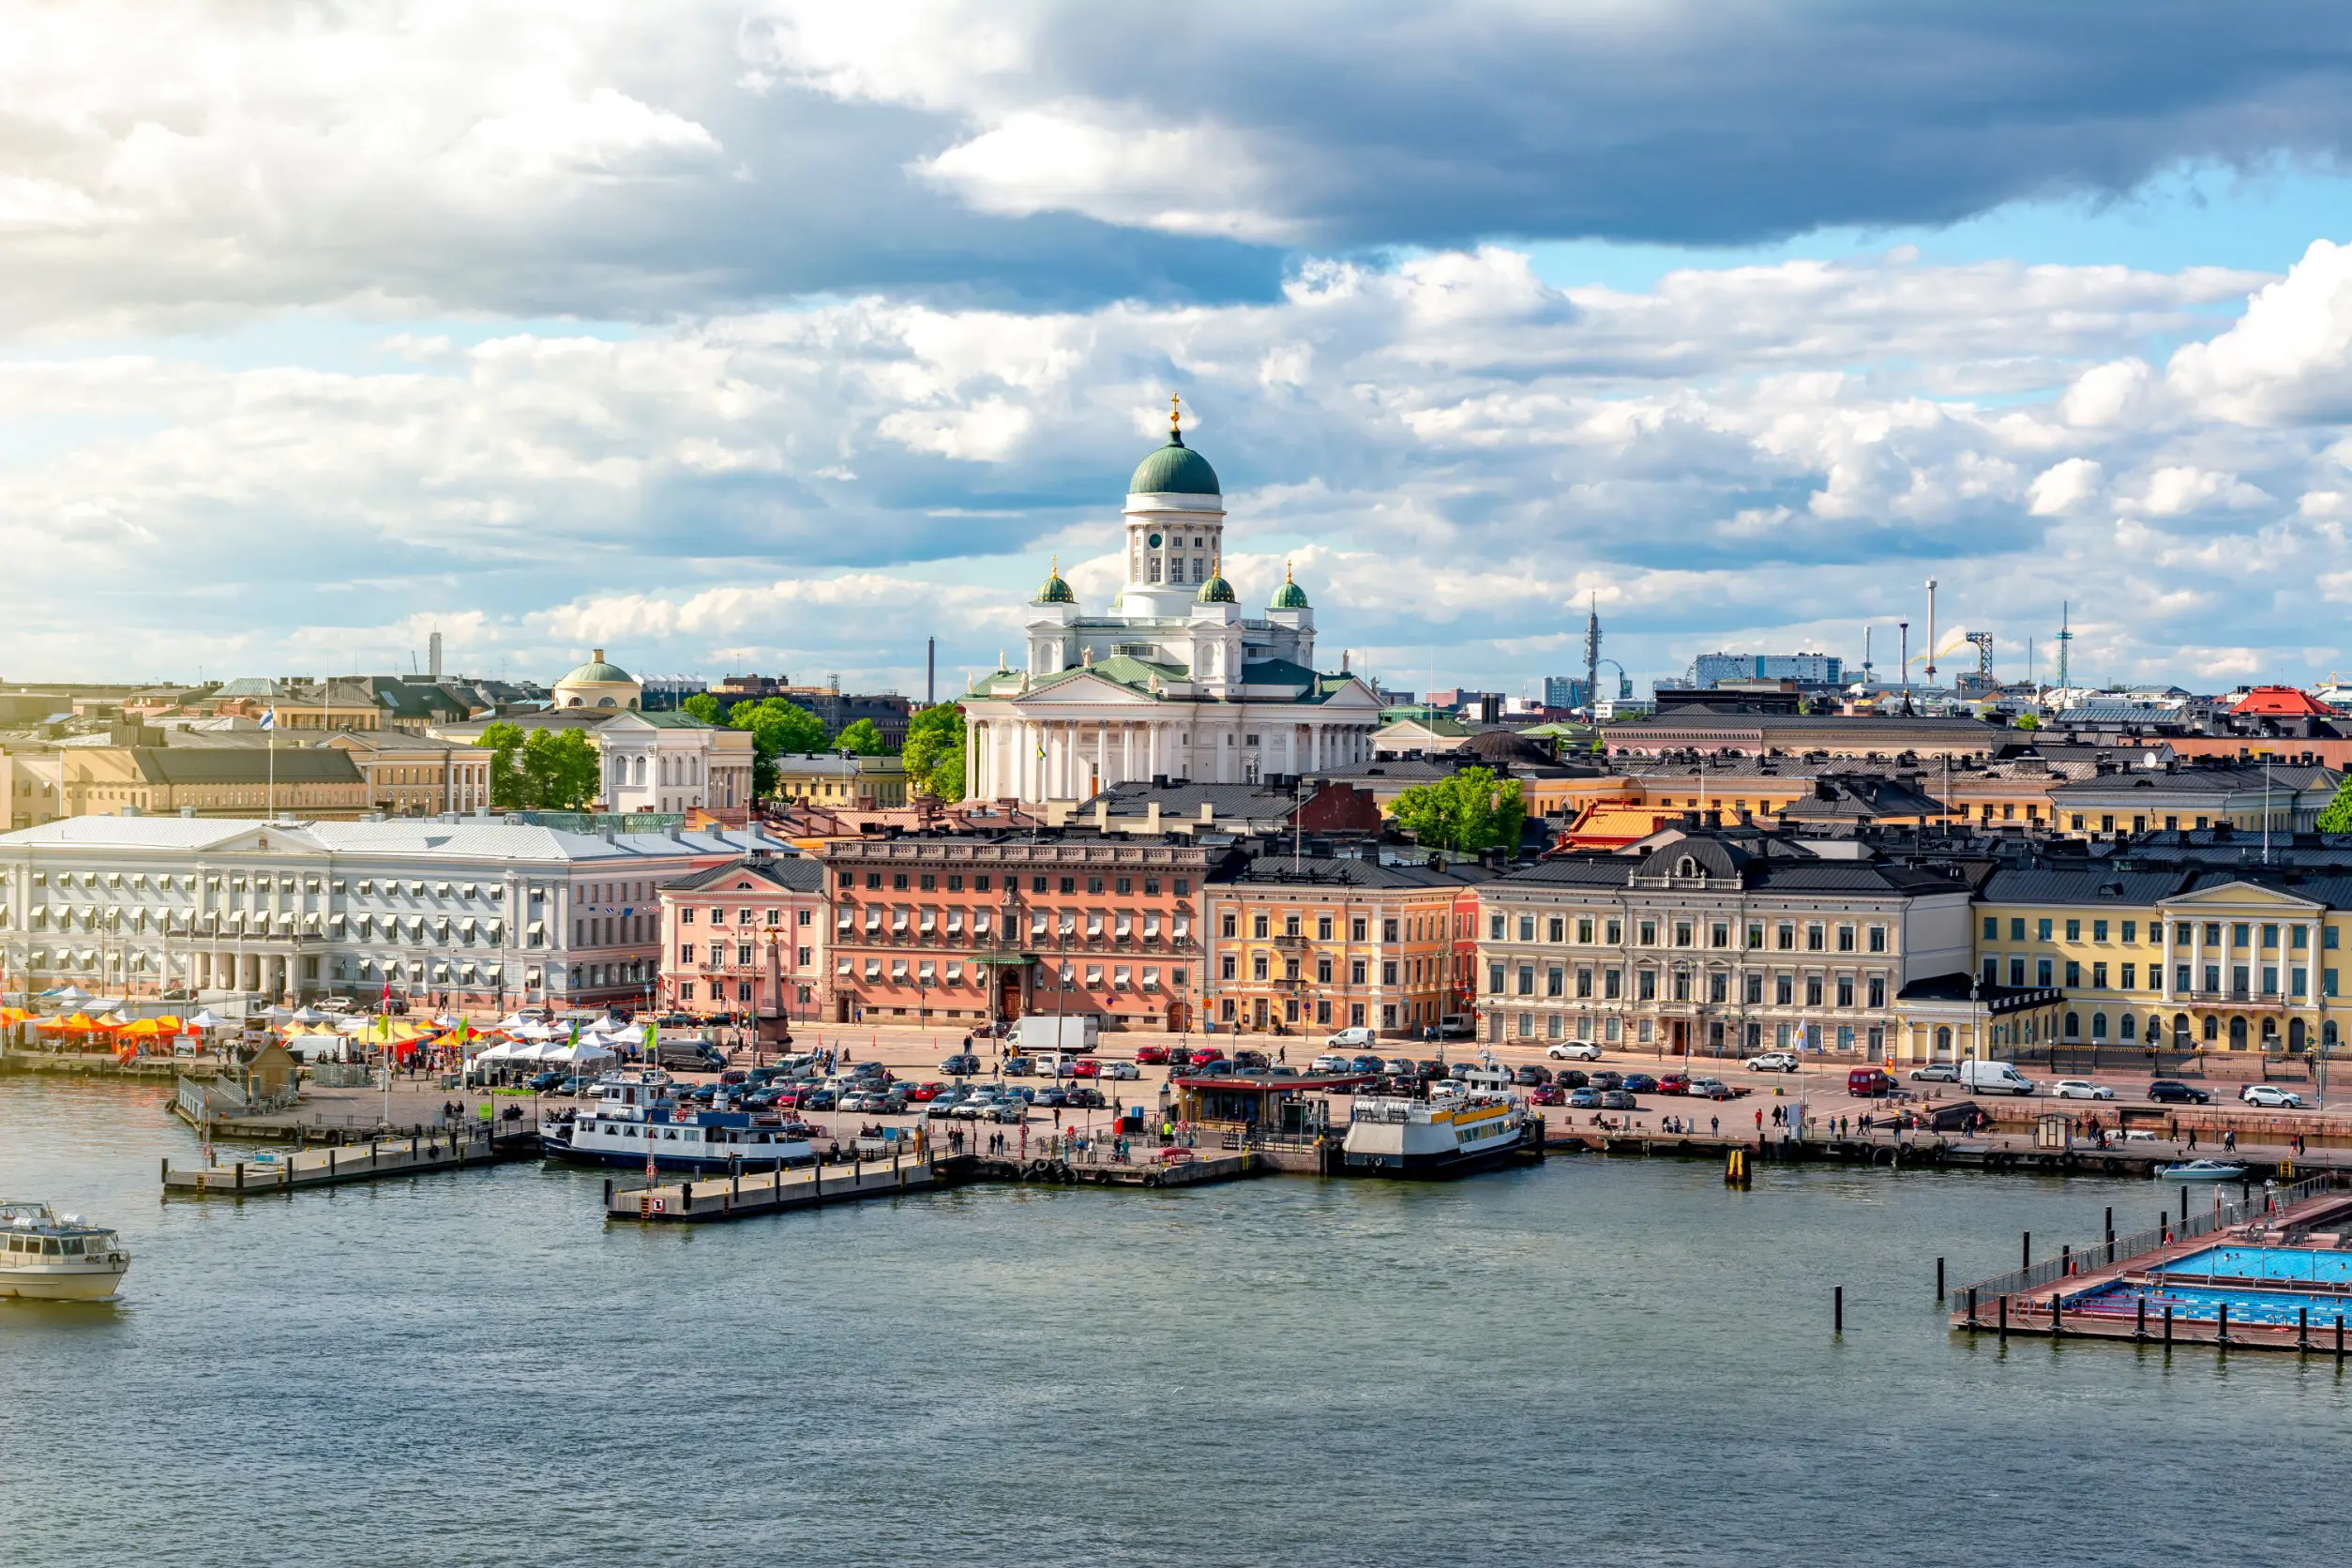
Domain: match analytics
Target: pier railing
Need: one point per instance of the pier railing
(2103, 1254)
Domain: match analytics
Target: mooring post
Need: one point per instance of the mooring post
(607, 1192)
(2066, 1260)
(166, 1177)
(2167, 1327)
(1971, 1306)
(1837, 1310)
(2139, 1326)
(2339, 1339)
(2004, 1316)
(2303, 1328)
(2222, 1337)
(2058, 1317)
(1940, 1281)
(2110, 1234)
(2184, 1206)
(2025, 1252)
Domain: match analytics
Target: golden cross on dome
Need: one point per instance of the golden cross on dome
(1175, 417)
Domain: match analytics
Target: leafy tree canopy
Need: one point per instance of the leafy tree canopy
(2336, 816)
(934, 752)
(1470, 811)
(703, 707)
(860, 739)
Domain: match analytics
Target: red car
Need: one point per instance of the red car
(925, 1091)
(1205, 1055)
(1675, 1083)
(1151, 1056)
(1547, 1094)
(1089, 1067)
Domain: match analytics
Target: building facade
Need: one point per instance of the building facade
(748, 938)
(443, 911)
(675, 762)
(1714, 944)
(1314, 943)
(961, 930)
(410, 775)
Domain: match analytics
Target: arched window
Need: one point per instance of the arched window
(2073, 1026)
(2130, 1028)
(1943, 1039)
(2212, 1027)
(1686, 867)
(2327, 1034)
(2099, 1026)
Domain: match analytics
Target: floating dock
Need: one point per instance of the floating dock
(1946, 1152)
(741, 1195)
(2271, 1271)
(442, 1149)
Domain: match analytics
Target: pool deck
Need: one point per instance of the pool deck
(2059, 1309)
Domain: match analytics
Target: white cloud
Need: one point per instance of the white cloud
(2289, 359)
(2063, 487)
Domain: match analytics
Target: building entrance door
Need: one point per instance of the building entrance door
(1681, 1043)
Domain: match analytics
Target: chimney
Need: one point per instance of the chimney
(432, 654)
(1208, 812)
(1102, 813)
(1151, 818)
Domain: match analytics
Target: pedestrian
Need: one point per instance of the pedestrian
(1759, 1121)
(1715, 1124)
(2229, 1141)
(2193, 1140)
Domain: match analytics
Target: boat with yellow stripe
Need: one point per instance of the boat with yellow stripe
(1447, 1134)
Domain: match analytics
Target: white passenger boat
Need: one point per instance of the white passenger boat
(1449, 1136)
(45, 1256)
(2203, 1170)
(632, 1115)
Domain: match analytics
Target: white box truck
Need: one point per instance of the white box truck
(1042, 1034)
(1992, 1077)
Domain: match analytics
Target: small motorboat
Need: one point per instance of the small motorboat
(2202, 1170)
(49, 1257)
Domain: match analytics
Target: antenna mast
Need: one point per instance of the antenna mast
(2065, 641)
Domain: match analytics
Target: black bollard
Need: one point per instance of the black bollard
(2066, 1261)
(2057, 1314)
(2184, 1206)
(2139, 1326)
(2111, 1235)
(2339, 1339)
(2025, 1252)
(2303, 1328)
(1837, 1309)
(2167, 1327)
(1971, 1306)
(1939, 1279)
(2222, 1337)
(2004, 1316)
(607, 1192)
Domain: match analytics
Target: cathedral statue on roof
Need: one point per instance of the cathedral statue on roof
(1173, 681)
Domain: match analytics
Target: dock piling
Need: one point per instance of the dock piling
(2025, 1252)
(2004, 1310)
(2167, 1327)
(2066, 1261)
(2222, 1337)
(1939, 1279)
(1971, 1306)
(2111, 1233)
(1837, 1310)
(2139, 1326)
(2057, 1314)
(2339, 1339)
(2303, 1328)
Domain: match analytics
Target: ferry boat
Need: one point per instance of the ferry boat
(610, 1132)
(45, 1256)
(1448, 1135)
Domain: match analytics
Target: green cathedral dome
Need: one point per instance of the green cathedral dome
(1290, 595)
(1216, 591)
(1055, 591)
(1175, 469)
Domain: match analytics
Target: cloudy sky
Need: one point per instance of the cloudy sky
(780, 336)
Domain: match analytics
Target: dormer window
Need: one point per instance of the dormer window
(1686, 867)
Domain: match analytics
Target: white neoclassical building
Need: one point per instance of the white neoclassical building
(1174, 681)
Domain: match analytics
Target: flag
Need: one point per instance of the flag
(269, 719)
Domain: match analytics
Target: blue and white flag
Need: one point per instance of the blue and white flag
(269, 719)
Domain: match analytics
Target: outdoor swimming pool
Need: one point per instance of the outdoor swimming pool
(2199, 1304)
(2267, 1263)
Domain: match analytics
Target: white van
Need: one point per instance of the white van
(1992, 1077)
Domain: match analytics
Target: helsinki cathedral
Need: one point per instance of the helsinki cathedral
(1173, 680)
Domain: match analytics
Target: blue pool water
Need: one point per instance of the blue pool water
(2197, 1304)
(2268, 1263)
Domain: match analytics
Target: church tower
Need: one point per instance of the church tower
(1175, 516)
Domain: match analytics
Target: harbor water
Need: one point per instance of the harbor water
(1594, 1361)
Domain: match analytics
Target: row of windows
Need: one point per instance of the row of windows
(1683, 985)
(1817, 935)
(1409, 972)
(984, 882)
(746, 953)
(1720, 1035)
(2241, 977)
(2185, 932)
(743, 917)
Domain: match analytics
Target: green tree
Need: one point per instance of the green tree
(2027, 721)
(507, 782)
(702, 705)
(2336, 816)
(560, 769)
(776, 727)
(934, 752)
(860, 739)
(1473, 810)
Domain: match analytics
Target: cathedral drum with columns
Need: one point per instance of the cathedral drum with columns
(1175, 682)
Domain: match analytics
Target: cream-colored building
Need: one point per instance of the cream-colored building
(1714, 943)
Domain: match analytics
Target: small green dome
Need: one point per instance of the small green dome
(1290, 595)
(1056, 591)
(1216, 591)
(1175, 469)
(598, 672)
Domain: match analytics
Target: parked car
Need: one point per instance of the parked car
(962, 1065)
(1606, 1080)
(1331, 1062)
(2081, 1089)
(544, 1084)
(1252, 1061)
(1714, 1089)
(1020, 1066)
(733, 1075)
(818, 1099)
(1402, 1067)
(1772, 1062)
(1053, 1098)
(1583, 1098)
(1640, 1083)
(1527, 1077)
(1546, 1095)
(1123, 1071)
(1089, 1067)
(1012, 1112)
(1428, 1068)
(1617, 1099)
(1205, 1055)
(1085, 1099)
(1198, 1068)
(1571, 1078)
(1936, 1072)
(1575, 1050)
(1354, 1037)
(1367, 1065)
(1151, 1056)
(1675, 1083)
(2270, 1097)
(1868, 1082)
(923, 1093)
(2174, 1092)
(1979, 1076)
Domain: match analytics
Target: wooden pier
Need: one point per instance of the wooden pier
(740, 1194)
(1944, 1152)
(442, 1149)
(1142, 1170)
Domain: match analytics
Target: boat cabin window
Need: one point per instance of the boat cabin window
(49, 1246)
(73, 1247)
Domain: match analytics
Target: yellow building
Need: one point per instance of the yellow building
(841, 783)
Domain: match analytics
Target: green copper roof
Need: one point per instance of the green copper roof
(1216, 591)
(598, 670)
(1056, 591)
(1175, 469)
(1290, 595)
